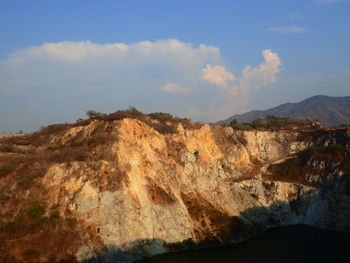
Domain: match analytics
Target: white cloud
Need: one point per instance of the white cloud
(264, 74)
(174, 88)
(237, 90)
(217, 75)
(80, 52)
(65, 79)
(87, 65)
(288, 29)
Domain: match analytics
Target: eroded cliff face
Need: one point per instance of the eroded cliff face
(124, 190)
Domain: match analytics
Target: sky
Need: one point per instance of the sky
(204, 60)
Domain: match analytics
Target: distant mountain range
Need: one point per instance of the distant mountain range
(330, 111)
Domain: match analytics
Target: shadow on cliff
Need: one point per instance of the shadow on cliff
(317, 208)
(129, 252)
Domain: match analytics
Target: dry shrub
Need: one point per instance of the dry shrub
(102, 134)
(161, 116)
(132, 113)
(167, 123)
(27, 221)
(42, 136)
(162, 127)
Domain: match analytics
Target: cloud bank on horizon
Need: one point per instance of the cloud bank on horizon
(170, 74)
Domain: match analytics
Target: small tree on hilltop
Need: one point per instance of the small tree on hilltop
(234, 122)
(93, 114)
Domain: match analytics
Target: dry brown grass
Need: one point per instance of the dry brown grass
(34, 237)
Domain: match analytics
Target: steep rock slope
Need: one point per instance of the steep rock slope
(116, 191)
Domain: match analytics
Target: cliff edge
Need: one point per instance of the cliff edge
(117, 190)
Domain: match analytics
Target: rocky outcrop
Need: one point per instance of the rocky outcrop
(123, 190)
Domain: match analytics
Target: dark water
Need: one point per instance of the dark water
(292, 244)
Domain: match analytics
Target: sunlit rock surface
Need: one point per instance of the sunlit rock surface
(133, 191)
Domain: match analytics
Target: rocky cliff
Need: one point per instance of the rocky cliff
(120, 190)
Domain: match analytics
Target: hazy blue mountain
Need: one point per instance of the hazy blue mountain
(330, 111)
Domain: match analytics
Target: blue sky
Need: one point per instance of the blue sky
(205, 60)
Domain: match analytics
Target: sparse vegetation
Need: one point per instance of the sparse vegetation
(93, 114)
(164, 122)
(26, 181)
(196, 154)
(161, 116)
(38, 232)
(32, 154)
(6, 148)
(78, 147)
(275, 123)
(4, 169)
(36, 210)
(295, 169)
